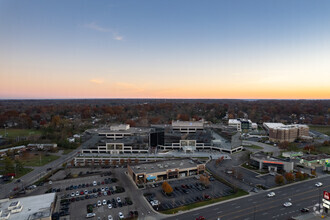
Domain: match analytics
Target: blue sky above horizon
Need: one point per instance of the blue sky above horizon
(165, 49)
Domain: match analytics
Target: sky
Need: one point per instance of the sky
(221, 49)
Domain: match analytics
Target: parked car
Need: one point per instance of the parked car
(90, 215)
(110, 217)
(120, 214)
(99, 203)
(109, 206)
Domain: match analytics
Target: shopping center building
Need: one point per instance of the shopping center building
(164, 170)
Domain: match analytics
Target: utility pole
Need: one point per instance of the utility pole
(319, 201)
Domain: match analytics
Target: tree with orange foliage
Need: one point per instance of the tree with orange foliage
(167, 187)
(299, 176)
(279, 179)
(289, 177)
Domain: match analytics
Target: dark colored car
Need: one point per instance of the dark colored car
(304, 210)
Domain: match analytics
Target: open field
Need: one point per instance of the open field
(38, 159)
(325, 129)
(13, 133)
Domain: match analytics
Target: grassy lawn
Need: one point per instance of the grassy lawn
(36, 160)
(324, 149)
(23, 172)
(13, 133)
(254, 147)
(325, 129)
(203, 203)
(66, 151)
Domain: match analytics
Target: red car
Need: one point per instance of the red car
(200, 218)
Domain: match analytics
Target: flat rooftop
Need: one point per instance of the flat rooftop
(188, 124)
(204, 136)
(271, 125)
(131, 130)
(163, 166)
(262, 156)
(34, 207)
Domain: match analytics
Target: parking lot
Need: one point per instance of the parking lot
(105, 191)
(185, 191)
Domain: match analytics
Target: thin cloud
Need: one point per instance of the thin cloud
(96, 81)
(96, 27)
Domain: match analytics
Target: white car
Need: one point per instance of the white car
(110, 206)
(77, 193)
(154, 202)
(318, 184)
(73, 194)
(104, 202)
(271, 194)
(99, 203)
(102, 189)
(86, 191)
(287, 204)
(118, 199)
(110, 217)
(120, 214)
(90, 215)
(94, 183)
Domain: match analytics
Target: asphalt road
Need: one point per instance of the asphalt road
(38, 172)
(259, 206)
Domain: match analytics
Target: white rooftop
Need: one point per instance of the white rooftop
(33, 207)
(282, 126)
(273, 125)
(13, 148)
(234, 121)
(119, 127)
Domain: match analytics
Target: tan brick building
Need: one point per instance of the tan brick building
(280, 132)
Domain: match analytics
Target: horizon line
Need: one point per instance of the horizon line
(13, 99)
